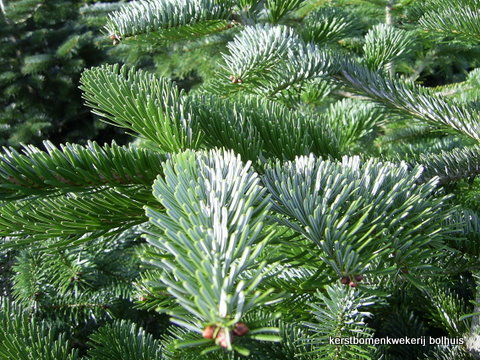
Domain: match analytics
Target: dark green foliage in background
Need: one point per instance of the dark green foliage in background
(44, 46)
(317, 179)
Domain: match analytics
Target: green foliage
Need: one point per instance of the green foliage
(452, 165)
(450, 353)
(255, 127)
(70, 167)
(123, 340)
(352, 210)
(348, 125)
(26, 339)
(149, 16)
(458, 17)
(269, 60)
(277, 9)
(76, 286)
(212, 234)
(402, 321)
(141, 102)
(384, 44)
(74, 216)
(447, 306)
(327, 25)
(307, 177)
(413, 100)
(54, 183)
(341, 315)
(44, 46)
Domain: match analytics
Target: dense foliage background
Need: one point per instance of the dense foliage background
(295, 171)
(45, 45)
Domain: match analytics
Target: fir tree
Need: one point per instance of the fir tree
(44, 47)
(308, 190)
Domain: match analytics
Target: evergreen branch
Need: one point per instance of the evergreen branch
(229, 124)
(69, 47)
(73, 216)
(100, 8)
(252, 126)
(287, 349)
(468, 224)
(29, 276)
(151, 291)
(450, 352)
(274, 225)
(384, 43)
(255, 127)
(134, 99)
(123, 340)
(344, 125)
(318, 91)
(74, 168)
(277, 9)
(308, 63)
(267, 60)
(446, 310)
(464, 91)
(146, 16)
(327, 25)
(410, 151)
(339, 313)
(55, 273)
(185, 32)
(409, 133)
(22, 11)
(293, 345)
(257, 49)
(36, 63)
(413, 101)
(453, 165)
(298, 284)
(360, 213)
(212, 232)
(76, 286)
(40, 284)
(77, 308)
(22, 338)
(459, 18)
(402, 321)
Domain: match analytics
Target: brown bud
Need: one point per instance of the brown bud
(142, 298)
(221, 339)
(115, 39)
(345, 280)
(223, 343)
(235, 80)
(353, 284)
(240, 329)
(358, 278)
(14, 181)
(209, 331)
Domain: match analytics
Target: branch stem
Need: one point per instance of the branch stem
(389, 21)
